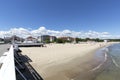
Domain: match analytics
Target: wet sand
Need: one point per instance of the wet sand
(64, 61)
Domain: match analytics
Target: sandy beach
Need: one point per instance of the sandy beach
(63, 61)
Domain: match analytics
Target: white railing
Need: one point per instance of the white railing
(7, 65)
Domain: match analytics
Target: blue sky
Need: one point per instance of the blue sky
(77, 15)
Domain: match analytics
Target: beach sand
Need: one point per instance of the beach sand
(64, 61)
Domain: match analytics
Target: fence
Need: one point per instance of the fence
(7, 66)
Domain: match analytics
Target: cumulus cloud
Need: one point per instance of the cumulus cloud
(22, 32)
(15, 31)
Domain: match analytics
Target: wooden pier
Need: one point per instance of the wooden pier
(31, 45)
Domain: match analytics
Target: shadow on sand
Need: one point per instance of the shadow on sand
(24, 70)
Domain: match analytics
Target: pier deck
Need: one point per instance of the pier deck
(31, 45)
(3, 48)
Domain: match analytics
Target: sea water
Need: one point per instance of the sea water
(112, 71)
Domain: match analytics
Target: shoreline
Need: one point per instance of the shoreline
(72, 67)
(111, 70)
(96, 70)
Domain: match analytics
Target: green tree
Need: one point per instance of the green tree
(47, 41)
(77, 40)
(60, 40)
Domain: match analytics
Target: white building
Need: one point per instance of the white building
(30, 39)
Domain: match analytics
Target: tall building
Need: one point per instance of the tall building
(52, 38)
(44, 38)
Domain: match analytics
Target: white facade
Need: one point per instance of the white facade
(105, 41)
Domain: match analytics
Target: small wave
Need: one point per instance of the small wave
(105, 59)
(114, 62)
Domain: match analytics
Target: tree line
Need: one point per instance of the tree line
(77, 40)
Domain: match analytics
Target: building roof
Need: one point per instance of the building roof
(30, 37)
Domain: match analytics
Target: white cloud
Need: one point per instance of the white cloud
(40, 31)
(22, 32)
